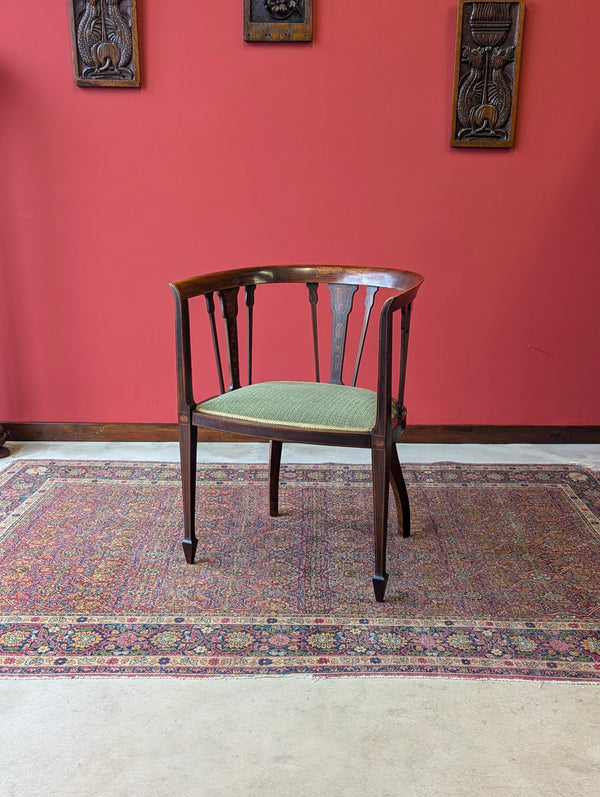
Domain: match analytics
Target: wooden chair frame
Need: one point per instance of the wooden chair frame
(391, 412)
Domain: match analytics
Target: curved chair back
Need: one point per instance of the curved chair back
(343, 283)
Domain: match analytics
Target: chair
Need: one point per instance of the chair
(327, 413)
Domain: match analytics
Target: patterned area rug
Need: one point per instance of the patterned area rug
(500, 577)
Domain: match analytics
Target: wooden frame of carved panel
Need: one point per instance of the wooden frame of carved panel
(487, 62)
(277, 20)
(104, 43)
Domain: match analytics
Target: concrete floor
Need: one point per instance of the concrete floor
(296, 735)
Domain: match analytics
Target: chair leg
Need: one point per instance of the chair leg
(188, 444)
(274, 467)
(400, 494)
(381, 459)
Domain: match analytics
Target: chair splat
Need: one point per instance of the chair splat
(228, 298)
(370, 291)
(341, 305)
(342, 297)
(229, 310)
(405, 329)
(313, 298)
(249, 292)
(210, 309)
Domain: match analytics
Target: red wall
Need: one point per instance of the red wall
(336, 151)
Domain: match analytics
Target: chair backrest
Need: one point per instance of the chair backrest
(343, 282)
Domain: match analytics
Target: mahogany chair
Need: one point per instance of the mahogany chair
(327, 413)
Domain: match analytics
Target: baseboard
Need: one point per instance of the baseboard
(163, 432)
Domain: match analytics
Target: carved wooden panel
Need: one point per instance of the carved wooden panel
(104, 42)
(277, 20)
(486, 73)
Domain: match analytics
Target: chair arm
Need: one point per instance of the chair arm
(403, 302)
(183, 352)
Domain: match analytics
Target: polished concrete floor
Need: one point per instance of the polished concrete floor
(298, 735)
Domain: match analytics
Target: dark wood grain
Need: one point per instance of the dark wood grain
(489, 39)
(414, 433)
(370, 292)
(278, 20)
(249, 293)
(104, 43)
(274, 468)
(390, 418)
(210, 309)
(229, 310)
(4, 451)
(341, 307)
(406, 315)
(313, 294)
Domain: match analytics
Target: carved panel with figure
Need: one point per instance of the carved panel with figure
(104, 42)
(486, 73)
(277, 20)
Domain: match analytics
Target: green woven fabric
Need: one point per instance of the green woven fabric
(307, 405)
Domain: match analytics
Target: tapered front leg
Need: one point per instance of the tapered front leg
(400, 494)
(274, 468)
(381, 459)
(188, 444)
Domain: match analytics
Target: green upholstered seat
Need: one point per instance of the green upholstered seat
(305, 405)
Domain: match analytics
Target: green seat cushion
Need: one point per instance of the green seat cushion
(304, 405)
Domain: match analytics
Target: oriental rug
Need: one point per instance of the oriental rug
(499, 578)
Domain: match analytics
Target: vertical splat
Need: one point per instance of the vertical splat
(370, 292)
(313, 299)
(229, 310)
(341, 305)
(210, 308)
(405, 315)
(250, 318)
